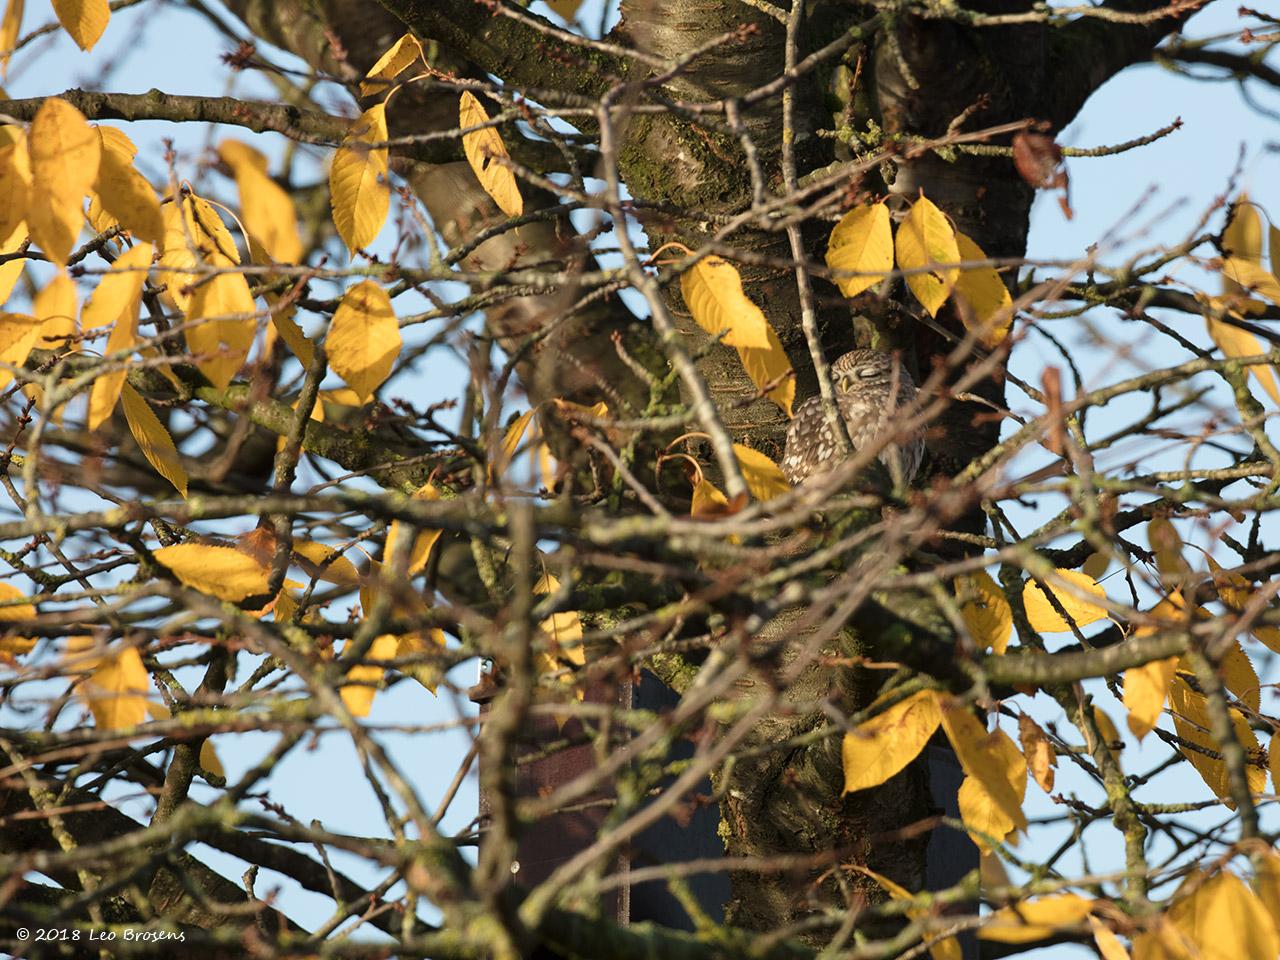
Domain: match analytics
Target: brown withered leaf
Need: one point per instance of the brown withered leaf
(1039, 162)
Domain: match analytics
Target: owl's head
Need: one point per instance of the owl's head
(859, 369)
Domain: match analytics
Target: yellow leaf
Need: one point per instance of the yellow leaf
(153, 439)
(947, 948)
(390, 65)
(1273, 764)
(861, 243)
(1252, 277)
(1234, 342)
(10, 26)
(209, 759)
(116, 300)
(358, 188)
(84, 20)
(712, 290)
(880, 747)
(15, 183)
(1243, 235)
(123, 193)
(1145, 690)
(55, 308)
(1267, 881)
(1035, 919)
(1041, 758)
(1165, 543)
(426, 539)
(1109, 945)
(764, 477)
(9, 611)
(1041, 613)
(64, 152)
(565, 9)
(707, 500)
(1192, 724)
(1273, 240)
(974, 749)
(482, 148)
(511, 442)
(18, 335)
(771, 365)
(222, 572)
(267, 210)
(365, 679)
(11, 270)
(985, 610)
(221, 323)
(116, 690)
(564, 628)
(364, 338)
(1240, 677)
(292, 335)
(411, 644)
(1110, 735)
(925, 240)
(986, 301)
(979, 810)
(1226, 920)
(325, 563)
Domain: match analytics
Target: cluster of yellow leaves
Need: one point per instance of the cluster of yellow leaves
(989, 618)
(1243, 277)
(995, 771)
(712, 290)
(862, 251)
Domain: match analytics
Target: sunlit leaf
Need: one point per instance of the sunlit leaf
(771, 366)
(1226, 920)
(1035, 919)
(985, 610)
(1192, 724)
(115, 301)
(221, 324)
(1038, 750)
(358, 188)
(153, 439)
(979, 809)
(18, 336)
(222, 572)
(986, 304)
(1072, 598)
(267, 210)
(861, 243)
(325, 563)
(390, 65)
(764, 478)
(426, 539)
(10, 26)
(947, 948)
(64, 152)
(15, 183)
(365, 679)
(1108, 944)
(483, 148)
(122, 192)
(880, 747)
(974, 749)
(712, 290)
(84, 20)
(1145, 690)
(924, 242)
(364, 338)
(116, 689)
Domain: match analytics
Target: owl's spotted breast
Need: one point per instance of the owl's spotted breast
(864, 382)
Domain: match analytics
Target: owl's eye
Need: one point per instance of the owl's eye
(868, 373)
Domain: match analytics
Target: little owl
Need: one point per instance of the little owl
(863, 382)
